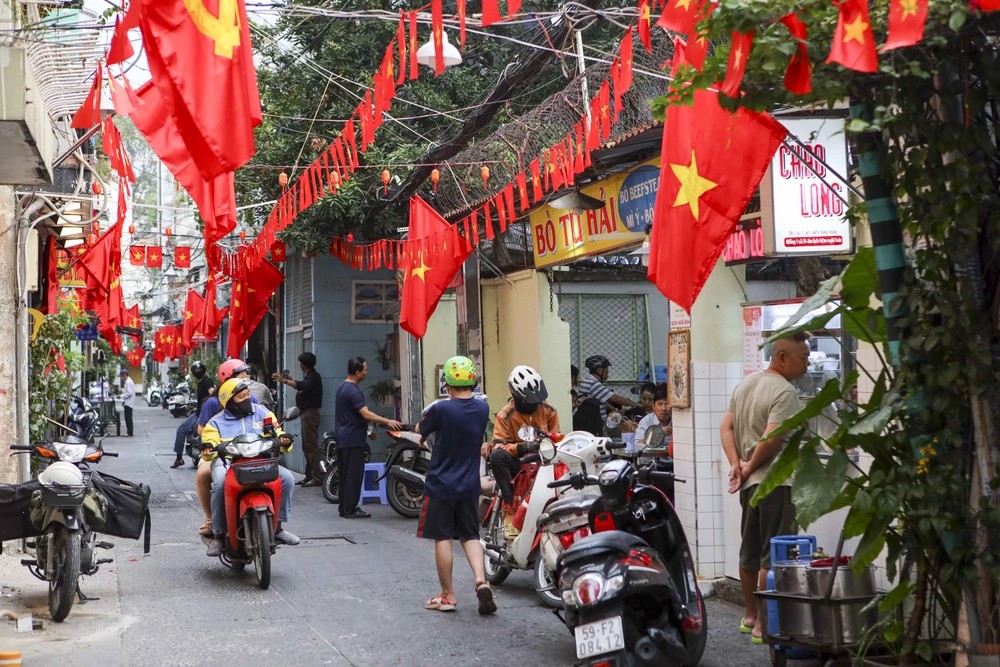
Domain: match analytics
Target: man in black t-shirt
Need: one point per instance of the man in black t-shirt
(203, 389)
(308, 399)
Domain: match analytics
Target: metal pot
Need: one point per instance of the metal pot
(794, 618)
(847, 584)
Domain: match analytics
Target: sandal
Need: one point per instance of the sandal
(438, 603)
(744, 628)
(206, 529)
(487, 603)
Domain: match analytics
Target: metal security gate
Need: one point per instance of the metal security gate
(615, 325)
(298, 297)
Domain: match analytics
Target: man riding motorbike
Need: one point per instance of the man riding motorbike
(527, 407)
(204, 390)
(241, 415)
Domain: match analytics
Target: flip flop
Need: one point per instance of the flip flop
(487, 603)
(206, 529)
(438, 603)
(744, 628)
(757, 640)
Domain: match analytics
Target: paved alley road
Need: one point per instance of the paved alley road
(351, 594)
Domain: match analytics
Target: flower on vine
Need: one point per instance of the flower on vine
(922, 467)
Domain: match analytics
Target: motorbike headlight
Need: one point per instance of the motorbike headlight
(250, 449)
(232, 449)
(70, 452)
(587, 588)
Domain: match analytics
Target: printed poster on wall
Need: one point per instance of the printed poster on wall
(752, 338)
(679, 368)
(679, 318)
(809, 217)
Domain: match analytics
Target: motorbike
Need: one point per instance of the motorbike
(153, 396)
(84, 419)
(252, 496)
(181, 405)
(176, 399)
(629, 589)
(543, 513)
(66, 547)
(193, 447)
(329, 467)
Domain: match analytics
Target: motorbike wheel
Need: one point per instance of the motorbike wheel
(496, 573)
(543, 580)
(406, 501)
(262, 549)
(66, 556)
(331, 483)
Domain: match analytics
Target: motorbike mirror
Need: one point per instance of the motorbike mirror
(614, 420)
(546, 450)
(291, 414)
(655, 437)
(526, 433)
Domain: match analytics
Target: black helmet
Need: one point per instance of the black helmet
(597, 361)
(197, 366)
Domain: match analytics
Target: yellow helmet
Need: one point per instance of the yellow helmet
(230, 388)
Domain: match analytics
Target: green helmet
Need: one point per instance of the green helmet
(460, 372)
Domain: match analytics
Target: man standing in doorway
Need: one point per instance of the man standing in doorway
(352, 420)
(128, 399)
(760, 403)
(308, 399)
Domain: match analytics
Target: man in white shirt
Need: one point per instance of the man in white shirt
(660, 416)
(128, 399)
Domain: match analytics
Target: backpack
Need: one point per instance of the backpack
(588, 418)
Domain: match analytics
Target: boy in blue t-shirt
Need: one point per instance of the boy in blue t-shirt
(451, 493)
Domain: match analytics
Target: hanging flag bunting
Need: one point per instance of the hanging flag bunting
(536, 182)
(119, 97)
(437, 31)
(907, 19)
(491, 13)
(680, 15)
(278, 251)
(413, 46)
(739, 52)
(798, 76)
(182, 257)
(853, 42)
(643, 26)
(513, 8)
(522, 190)
(121, 48)
(194, 314)
(154, 257)
(137, 255)
(401, 46)
(460, 6)
(89, 113)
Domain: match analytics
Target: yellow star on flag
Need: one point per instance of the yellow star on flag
(419, 271)
(137, 254)
(739, 55)
(855, 30)
(645, 13)
(683, 4)
(188, 314)
(135, 322)
(909, 8)
(693, 185)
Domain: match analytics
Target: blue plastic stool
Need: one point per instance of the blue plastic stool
(378, 493)
(780, 547)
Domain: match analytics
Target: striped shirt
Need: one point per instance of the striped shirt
(591, 387)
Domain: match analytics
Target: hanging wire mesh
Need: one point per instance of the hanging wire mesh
(511, 149)
(613, 325)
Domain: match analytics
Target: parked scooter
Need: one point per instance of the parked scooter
(576, 451)
(84, 419)
(182, 406)
(630, 590)
(153, 395)
(329, 467)
(65, 549)
(252, 495)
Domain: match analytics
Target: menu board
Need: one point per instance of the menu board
(752, 338)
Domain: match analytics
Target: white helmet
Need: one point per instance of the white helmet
(526, 386)
(61, 473)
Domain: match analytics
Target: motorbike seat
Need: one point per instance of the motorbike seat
(329, 435)
(569, 506)
(611, 540)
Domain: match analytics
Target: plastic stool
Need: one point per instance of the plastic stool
(377, 470)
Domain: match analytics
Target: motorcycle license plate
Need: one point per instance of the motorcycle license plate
(599, 637)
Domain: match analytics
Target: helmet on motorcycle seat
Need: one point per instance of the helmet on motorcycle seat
(230, 388)
(460, 372)
(232, 367)
(61, 473)
(526, 386)
(597, 361)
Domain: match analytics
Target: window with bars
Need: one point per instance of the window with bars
(374, 301)
(298, 290)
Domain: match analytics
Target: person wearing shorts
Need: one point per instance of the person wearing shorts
(760, 403)
(452, 489)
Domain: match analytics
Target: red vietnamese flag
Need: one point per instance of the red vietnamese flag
(194, 314)
(491, 13)
(134, 321)
(215, 198)
(119, 97)
(907, 19)
(249, 304)
(182, 257)
(604, 110)
(137, 255)
(739, 52)
(414, 65)
(213, 313)
(52, 277)
(711, 164)
(522, 190)
(202, 65)
(89, 113)
(513, 8)
(154, 257)
(643, 26)
(798, 76)
(158, 351)
(853, 43)
(536, 182)
(460, 7)
(136, 356)
(121, 48)
(278, 251)
(680, 15)
(437, 32)
(101, 265)
(426, 281)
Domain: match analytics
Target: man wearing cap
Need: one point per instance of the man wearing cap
(128, 399)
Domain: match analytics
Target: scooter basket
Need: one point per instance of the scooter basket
(63, 496)
(15, 504)
(128, 508)
(255, 471)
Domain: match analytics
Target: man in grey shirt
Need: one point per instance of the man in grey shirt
(760, 403)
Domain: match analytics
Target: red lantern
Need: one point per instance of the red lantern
(335, 177)
(386, 176)
(167, 232)
(131, 229)
(435, 177)
(96, 187)
(485, 173)
(91, 238)
(350, 237)
(243, 235)
(96, 227)
(283, 179)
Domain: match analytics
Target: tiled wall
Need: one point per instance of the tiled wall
(699, 460)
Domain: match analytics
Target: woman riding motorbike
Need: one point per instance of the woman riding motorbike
(241, 415)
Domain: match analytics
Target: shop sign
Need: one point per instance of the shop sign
(679, 368)
(809, 217)
(88, 332)
(745, 244)
(752, 338)
(559, 236)
(679, 318)
(72, 278)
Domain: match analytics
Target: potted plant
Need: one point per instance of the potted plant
(382, 355)
(382, 392)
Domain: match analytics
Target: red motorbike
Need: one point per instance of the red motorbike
(252, 493)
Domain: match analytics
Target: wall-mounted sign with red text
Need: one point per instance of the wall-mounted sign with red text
(745, 244)
(809, 217)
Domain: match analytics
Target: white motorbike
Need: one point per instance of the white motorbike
(549, 519)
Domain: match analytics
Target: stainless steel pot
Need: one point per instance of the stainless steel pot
(847, 584)
(794, 618)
